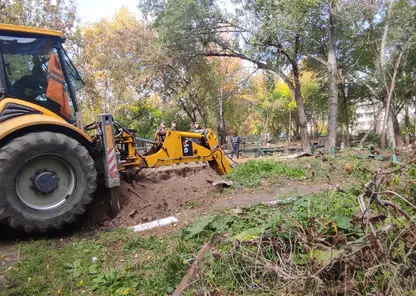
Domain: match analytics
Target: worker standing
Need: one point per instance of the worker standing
(235, 143)
(160, 134)
(194, 128)
(173, 125)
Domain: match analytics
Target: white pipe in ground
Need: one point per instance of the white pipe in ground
(154, 224)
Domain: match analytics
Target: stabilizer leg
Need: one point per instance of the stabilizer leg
(115, 201)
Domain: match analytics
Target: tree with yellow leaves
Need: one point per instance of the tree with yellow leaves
(275, 105)
(113, 59)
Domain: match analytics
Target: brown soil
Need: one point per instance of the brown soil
(166, 193)
(158, 193)
(184, 192)
(220, 202)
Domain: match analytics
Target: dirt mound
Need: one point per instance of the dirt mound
(158, 193)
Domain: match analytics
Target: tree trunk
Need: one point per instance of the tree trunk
(397, 133)
(343, 117)
(414, 121)
(221, 123)
(333, 85)
(347, 122)
(345, 111)
(317, 131)
(389, 95)
(203, 116)
(296, 129)
(406, 127)
(347, 131)
(390, 132)
(303, 131)
(382, 69)
(266, 136)
(290, 126)
(383, 130)
(367, 134)
(189, 113)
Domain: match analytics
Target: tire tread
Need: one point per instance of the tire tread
(16, 146)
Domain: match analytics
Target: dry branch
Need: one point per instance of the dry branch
(195, 268)
(135, 192)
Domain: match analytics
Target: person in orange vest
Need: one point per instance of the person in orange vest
(56, 86)
(160, 136)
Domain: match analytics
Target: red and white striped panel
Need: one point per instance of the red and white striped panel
(112, 163)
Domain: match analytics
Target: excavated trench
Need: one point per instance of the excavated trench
(158, 193)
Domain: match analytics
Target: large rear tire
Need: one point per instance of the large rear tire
(46, 181)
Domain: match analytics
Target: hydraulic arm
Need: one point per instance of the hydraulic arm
(177, 147)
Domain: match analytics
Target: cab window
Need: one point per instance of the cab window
(33, 73)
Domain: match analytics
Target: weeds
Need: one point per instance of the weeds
(330, 244)
(115, 263)
(343, 168)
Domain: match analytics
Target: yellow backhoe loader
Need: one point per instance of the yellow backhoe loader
(49, 161)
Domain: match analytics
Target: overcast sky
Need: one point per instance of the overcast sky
(93, 10)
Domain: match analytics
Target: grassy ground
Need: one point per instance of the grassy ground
(113, 263)
(288, 248)
(344, 168)
(124, 263)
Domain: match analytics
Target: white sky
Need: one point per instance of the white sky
(94, 10)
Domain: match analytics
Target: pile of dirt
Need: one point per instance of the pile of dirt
(158, 193)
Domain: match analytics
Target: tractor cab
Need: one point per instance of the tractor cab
(35, 67)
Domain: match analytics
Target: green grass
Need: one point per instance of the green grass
(334, 167)
(131, 263)
(343, 168)
(135, 264)
(125, 264)
(295, 235)
(326, 207)
(230, 273)
(250, 174)
(138, 264)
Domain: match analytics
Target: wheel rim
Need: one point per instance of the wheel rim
(45, 183)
